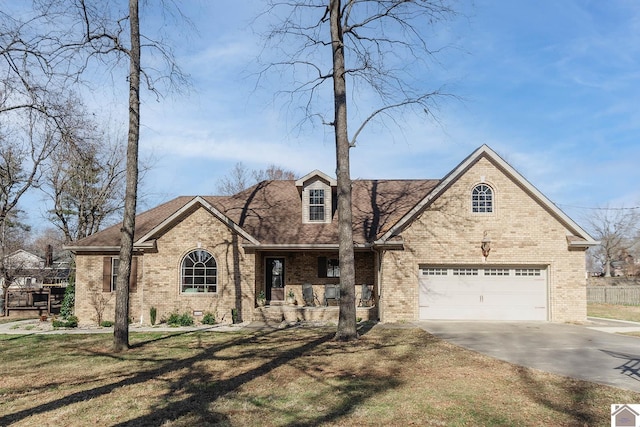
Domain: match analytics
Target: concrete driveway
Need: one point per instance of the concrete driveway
(592, 352)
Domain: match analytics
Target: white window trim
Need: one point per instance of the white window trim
(475, 204)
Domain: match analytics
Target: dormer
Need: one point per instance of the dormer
(317, 192)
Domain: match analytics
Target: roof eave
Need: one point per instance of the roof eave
(140, 247)
(578, 243)
(300, 246)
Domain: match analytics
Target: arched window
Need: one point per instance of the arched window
(482, 199)
(199, 272)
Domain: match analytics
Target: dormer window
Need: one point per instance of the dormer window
(317, 194)
(316, 205)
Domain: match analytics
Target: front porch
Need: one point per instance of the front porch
(293, 313)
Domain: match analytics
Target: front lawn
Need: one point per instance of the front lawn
(295, 376)
(610, 311)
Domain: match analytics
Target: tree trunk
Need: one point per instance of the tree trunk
(347, 318)
(121, 325)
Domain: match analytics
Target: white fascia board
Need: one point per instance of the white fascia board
(316, 173)
(151, 244)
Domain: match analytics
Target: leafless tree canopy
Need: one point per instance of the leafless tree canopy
(389, 48)
(240, 178)
(617, 231)
(85, 184)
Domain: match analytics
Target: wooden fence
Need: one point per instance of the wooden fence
(619, 295)
(39, 301)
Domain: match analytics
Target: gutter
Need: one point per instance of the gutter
(141, 247)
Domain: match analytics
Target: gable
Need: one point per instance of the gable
(515, 221)
(485, 166)
(23, 259)
(153, 223)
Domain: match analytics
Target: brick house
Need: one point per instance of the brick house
(481, 243)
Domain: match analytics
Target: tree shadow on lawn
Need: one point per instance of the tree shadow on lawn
(198, 389)
(573, 399)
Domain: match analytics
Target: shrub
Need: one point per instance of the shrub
(66, 310)
(152, 315)
(209, 319)
(176, 319)
(70, 322)
(106, 323)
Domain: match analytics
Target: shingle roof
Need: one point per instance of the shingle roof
(271, 212)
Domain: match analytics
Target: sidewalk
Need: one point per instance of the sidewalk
(35, 326)
(612, 326)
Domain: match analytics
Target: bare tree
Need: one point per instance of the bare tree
(85, 184)
(20, 162)
(99, 303)
(273, 172)
(617, 231)
(50, 49)
(43, 240)
(235, 182)
(372, 43)
(121, 325)
(13, 234)
(238, 179)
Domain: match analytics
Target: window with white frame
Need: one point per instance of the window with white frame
(333, 267)
(465, 271)
(433, 271)
(199, 273)
(527, 272)
(316, 205)
(328, 267)
(115, 264)
(482, 199)
(496, 272)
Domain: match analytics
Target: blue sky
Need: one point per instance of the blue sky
(552, 86)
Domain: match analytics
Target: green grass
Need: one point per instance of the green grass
(297, 376)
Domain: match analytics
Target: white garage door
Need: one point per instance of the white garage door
(483, 293)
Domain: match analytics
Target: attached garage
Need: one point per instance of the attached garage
(483, 293)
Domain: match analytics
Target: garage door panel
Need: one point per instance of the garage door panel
(505, 293)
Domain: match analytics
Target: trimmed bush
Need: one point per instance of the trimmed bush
(209, 319)
(70, 322)
(106, 323)
(152, 315)
(176, 319)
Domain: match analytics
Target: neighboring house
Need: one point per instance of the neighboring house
(481, 243)
(29, 271)
(37, 284)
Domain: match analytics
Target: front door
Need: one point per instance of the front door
(274, 278)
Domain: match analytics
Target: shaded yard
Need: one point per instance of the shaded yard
(295, 376)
